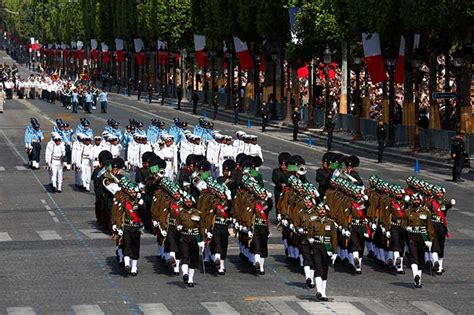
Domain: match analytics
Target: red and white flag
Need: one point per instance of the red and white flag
(243, 54)
(161, 45)
(94, 44)
(138, 43)
(373, 57)
(199, 45)
(34, 44)
(400, 68)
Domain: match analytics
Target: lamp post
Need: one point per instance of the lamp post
(357, 103)
(458, 62)
(416, 63)
(191, 61)
(256, 89)
(213, 62)
(230, 79)
(274, 61)
(327, 56)
(391, 104)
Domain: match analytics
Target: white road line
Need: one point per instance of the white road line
(51, 213)
(47, 207)
(154, 309)
(265, 167)
(21, 168)
(431, 308)
(4, 237)
(94, 234)
(2, 168)
(221, 308)
(373, 306)
(87, 310)
(469, 214)
(330, 308)
(49, 235)
(282, 307)
(55, 219)
(43, 201)
(25, 310)
(467, 232)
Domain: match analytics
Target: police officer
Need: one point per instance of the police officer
(33, 138)
(330, 130)
(457, 154)
(264, 113)
(381, 135)
(295, 117)
(179, 95)
(280, 177)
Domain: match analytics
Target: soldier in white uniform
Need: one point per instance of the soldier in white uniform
(254, 149)
(169, 153)
(55, 154)
(75, 158)
(227, 152)
(85, 162)
(239, 143)
(114, 146)
(96, 149)
(212, 152)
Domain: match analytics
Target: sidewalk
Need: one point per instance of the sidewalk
(317, 136)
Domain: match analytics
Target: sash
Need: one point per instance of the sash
(133, 214)
(222, 211)
(362, 215)
(398, 208)
(440, 213)
(261, 212)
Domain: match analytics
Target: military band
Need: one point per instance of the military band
(194, 190)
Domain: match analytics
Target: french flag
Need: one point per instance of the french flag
(373, 57)
(243, 54)
(119, 46)
(400, 68)
(199, 45)
(34, 44)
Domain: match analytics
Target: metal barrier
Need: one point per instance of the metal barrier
(319, 117)
(436, 139)
(368, 128)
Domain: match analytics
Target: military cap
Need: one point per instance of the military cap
(118, 163)
(283, 157)
(105, 156)
(228, 165)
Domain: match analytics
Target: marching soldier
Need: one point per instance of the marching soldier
(279, 178)
(104, 159)
(33, 138)
(418, 223)
(324, 174)
(127, 223)
(55, 154)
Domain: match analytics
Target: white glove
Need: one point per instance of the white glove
(179, 227)
(330, 254)
(300, 231)
(333, 258)
(311, 240)
(347, 233)
(453, 202)
(209, 235)
(292, 226)
(142, 229)
(278, 217)
(236, 225)
(155, 223)
(164, 233)
(388, 234)
(201, 245)
(428, 244)
(250, 234)
(114, 228)
(383, 230)
(244, 229)
(228, 195)
(120, 232)
(374, 226)
(284, 222)
(409, 229)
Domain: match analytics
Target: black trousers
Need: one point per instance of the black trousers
(320, 260)
(440, 238)
(417, 248)
(380, 150)
(189, 251)
(131, 242)
(195, 104)
(398, 235)
(457, 168)
(330, 140)
(68, 154)
(295, 132)
(172, 239)
(220, 240)
(259, 243)
(35, 152)
(236, 116)
(357, 240)
(264, 124)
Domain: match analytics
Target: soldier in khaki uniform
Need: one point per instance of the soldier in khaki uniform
(418, 223)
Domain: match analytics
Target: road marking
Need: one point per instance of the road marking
(49, 235)
(94, 234)
(87, 310)
(469, 214)
(47, 207)
(371, 307)
(55, 219)
(51, 213)
(25, 310)
(282, 307)
(467, 232)
(330, 308)
(221, 308)
(21, 168)
(265, 167)
(431, 308)
(154, 309)
(2, 168)
(4, 237)
(43, 201)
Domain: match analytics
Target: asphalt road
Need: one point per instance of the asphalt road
(54, 259)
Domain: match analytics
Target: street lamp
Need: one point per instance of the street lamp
(416, 64)
(213, 62)
(191, 56)
(391, 105)
(230, 79)
(274, 62)
(257, 80)
(327, 56)
(358, 107)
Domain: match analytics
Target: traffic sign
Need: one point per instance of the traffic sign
(443, 95)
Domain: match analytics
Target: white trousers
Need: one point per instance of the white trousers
(86, 173)
(57, 176)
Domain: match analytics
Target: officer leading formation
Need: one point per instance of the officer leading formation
(193, 190)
